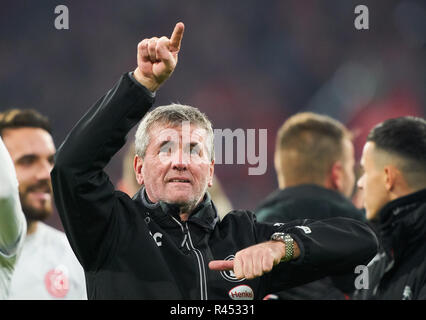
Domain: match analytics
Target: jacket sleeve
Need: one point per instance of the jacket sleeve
(13, 226)
(422, 293)
(327, 247)
(84, 196)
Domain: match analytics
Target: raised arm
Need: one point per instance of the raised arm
(85, 197)
(13, 226)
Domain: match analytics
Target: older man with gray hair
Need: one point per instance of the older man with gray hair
(168, 242)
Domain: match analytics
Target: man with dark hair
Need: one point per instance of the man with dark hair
(165, 242)
(314, 162)
(394, 186)
(27, 118)
(47, 267)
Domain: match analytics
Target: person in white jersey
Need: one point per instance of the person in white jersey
(13, 226)
(47, 267)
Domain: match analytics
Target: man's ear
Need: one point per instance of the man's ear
(278, 169)
(137, 166)
(336, 176)
(211, 174)
(389, 175)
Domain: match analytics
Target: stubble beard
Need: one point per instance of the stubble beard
(32, 213)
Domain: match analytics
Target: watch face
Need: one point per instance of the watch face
(278, 236)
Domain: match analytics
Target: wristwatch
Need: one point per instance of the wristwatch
(289, 244)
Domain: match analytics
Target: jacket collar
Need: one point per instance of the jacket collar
(166, 214)
(403, 222)
(305, 191)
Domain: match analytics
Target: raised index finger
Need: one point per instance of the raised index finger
(176, 37)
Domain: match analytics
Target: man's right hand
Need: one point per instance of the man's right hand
(157, 58)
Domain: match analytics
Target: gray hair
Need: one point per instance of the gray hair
(173, 114)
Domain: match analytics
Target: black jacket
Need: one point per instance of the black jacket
(398, 271)
(311, 201)
(308, 201)
(131, 249)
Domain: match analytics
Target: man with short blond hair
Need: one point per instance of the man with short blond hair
(314, 148)
(314, 162)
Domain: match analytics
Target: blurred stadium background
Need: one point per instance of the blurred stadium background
(246, 64)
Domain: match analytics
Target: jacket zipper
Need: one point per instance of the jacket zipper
(200, 260)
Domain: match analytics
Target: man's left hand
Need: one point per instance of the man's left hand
(253, 261)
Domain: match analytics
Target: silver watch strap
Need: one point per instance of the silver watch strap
(289, 244)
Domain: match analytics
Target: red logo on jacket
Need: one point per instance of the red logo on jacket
(56, 281)
(241, 292)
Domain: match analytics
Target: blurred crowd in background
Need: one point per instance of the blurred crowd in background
(246, 64)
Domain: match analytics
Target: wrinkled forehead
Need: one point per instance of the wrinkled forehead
(176, 132)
